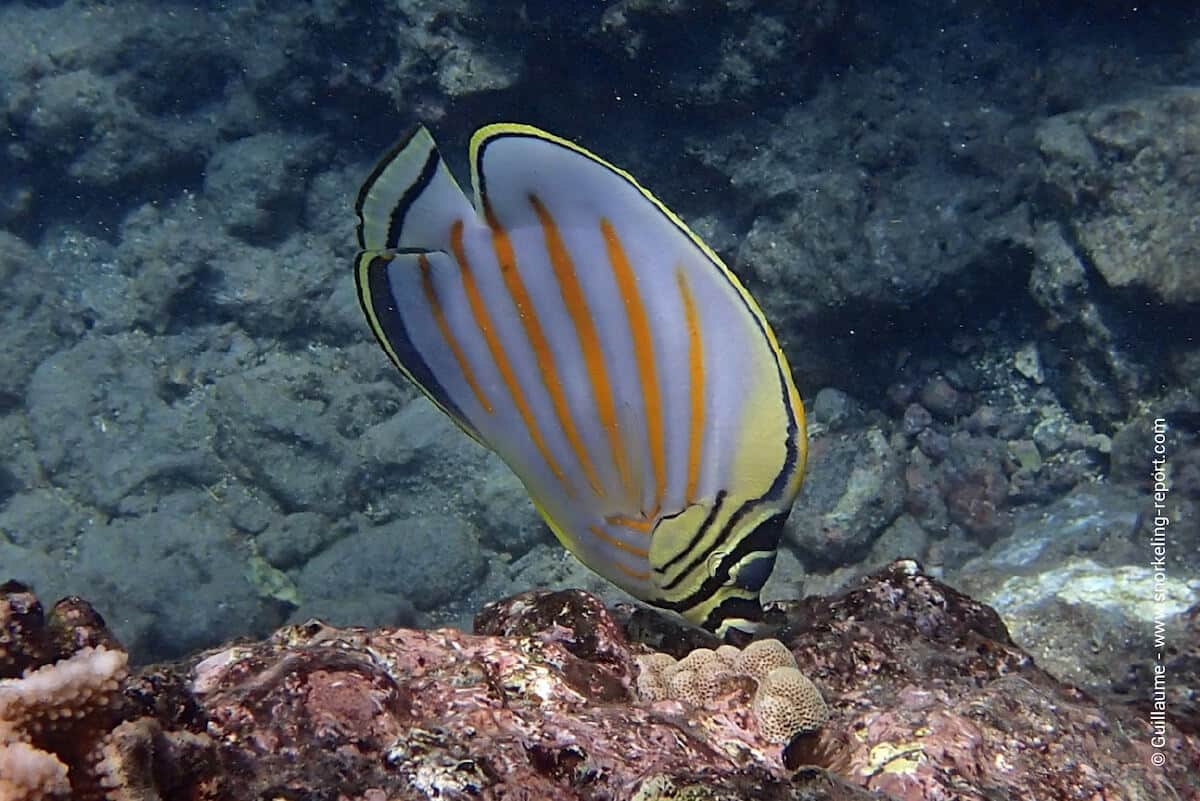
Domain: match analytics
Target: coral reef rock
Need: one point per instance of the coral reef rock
(926, 697)
(930, 698)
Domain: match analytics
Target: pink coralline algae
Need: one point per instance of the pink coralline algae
(927, 698)
(548, 714)
(932, 700)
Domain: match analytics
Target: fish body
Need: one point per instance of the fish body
(570, 322)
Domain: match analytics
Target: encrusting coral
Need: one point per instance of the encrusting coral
(784, 704)
(787, 704)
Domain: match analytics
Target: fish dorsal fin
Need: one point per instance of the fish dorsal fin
(406, 200)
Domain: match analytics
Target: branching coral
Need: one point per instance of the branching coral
(139, 761)
(27, 773)
(784, 704)
(61, 677)
(43, 714)
(65, 705)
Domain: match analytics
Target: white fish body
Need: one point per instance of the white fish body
(569, 321)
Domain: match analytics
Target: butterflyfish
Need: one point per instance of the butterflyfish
(569, 321)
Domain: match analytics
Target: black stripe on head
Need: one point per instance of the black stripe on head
(699, 535)
(758, 535)
(734, 609)
(721, 539)
(752, 573)
(392, 333)
(764, 540)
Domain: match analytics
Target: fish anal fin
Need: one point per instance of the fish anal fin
(400, 335)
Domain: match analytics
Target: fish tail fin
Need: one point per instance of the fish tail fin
(410, 201)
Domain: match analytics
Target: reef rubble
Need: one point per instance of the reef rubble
(928, 698)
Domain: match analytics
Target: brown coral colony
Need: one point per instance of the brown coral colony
(784, 703)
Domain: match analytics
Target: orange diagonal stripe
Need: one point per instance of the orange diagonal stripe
(484, 321)
(640, 575)
(641, 524)
(616, 543)
(643, 349)
(589, 340)
(439, 316)
(541, 347)
(695, 385)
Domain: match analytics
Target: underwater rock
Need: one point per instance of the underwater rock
(1125, 174)
(102, 429)
(853, 491)
(1028, 363)
(927, 697)
(834, 408)
(43, 520)
(287, 542)
(276, 424)
(903, 539)
(99, 115)
(26, 316)
(256, 185)
(410, 714)
(129, 101)
(739, 52)
(187, 563)
(850, 227)
(1133, 451)
(24, 643)
(578, 620)
(1087, 360)
(923, 497)
(1182, 665)
(975, 486)
(930, 698)
(940, 397)
(428, 560)
(162, 272)
(1119, 179)
(916, 419)
(1072, 585)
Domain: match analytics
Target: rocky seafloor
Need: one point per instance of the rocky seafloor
(972, 225)
(925, 697)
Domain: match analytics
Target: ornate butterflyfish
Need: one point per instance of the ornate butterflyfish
(569, 321)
